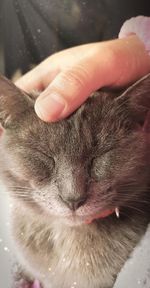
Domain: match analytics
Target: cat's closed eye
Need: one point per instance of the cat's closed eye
(43, 168)
(100, 166)
(38, 166)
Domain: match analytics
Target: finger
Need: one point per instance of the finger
(114, 63)
(39, 77)
(71, 87)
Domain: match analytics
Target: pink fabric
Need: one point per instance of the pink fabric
(23, 284)
(36, 284)
(140, 26)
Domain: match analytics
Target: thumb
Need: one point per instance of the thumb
(114, 63)
(66, 92)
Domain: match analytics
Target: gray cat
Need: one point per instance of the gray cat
(80, 187)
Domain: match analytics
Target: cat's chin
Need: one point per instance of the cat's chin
(72, 221)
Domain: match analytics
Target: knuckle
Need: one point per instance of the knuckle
(77, 77)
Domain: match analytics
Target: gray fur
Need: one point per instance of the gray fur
(99, 156)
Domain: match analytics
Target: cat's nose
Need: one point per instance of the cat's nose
(72, 203)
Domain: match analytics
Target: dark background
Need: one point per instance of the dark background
(31, 30)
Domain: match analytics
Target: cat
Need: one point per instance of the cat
(80, 186)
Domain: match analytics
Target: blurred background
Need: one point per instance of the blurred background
(31, 30)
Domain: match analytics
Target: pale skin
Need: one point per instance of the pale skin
(67, 78)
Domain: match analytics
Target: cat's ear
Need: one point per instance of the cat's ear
(138, 98)
(13, 103)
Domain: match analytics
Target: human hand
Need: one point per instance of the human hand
(67, 78)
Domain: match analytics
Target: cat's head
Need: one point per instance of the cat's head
(85, 166)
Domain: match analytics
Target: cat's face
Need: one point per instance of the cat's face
(81, 167)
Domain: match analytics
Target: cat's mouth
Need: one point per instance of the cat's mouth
(78, 220)
(103, 214)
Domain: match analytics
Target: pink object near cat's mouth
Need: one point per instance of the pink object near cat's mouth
(103, 214)
(1, 131)
(36, 284)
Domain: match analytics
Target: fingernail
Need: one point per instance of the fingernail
(50, 108)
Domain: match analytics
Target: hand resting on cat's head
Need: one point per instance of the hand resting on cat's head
(68, 77)
(77, 171)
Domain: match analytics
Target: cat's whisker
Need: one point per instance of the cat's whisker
(21, 192)
(25, 199)
(20, 188)
(132, 186)
(134, 208)
(20, 195)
